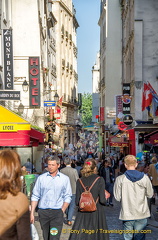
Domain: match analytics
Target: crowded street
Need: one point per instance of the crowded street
(78, 120)
(112, 214)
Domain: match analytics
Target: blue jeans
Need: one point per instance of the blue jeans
(71, 208)
(138, 225)
(109, 188)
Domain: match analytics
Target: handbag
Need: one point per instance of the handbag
(87, 203)
(107, 194)
(34, 232)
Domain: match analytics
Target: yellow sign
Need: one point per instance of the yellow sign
(14, 127)
(11, 122)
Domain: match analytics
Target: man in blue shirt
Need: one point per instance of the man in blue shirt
(52, 192)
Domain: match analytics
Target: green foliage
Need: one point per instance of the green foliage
(86, 109)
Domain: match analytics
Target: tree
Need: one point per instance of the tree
(86, 109)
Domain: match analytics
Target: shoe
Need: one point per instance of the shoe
(111, 204)
(107, 204)
(69, 223)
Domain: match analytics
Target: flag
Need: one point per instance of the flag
(151, 88)
(59, 103)
(146, 97)
(58, 108)
(155, 105)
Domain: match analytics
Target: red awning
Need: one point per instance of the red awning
(22, 138)
(152, 138)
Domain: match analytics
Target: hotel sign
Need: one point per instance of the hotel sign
(8, 59)
(34, 82)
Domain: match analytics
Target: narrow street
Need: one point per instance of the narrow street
(112, 214)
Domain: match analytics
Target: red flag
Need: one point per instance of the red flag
(146, 97)
(151, 89)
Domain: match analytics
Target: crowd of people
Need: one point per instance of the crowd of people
(57, 192)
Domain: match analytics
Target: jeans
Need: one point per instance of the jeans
(132, 225)
(109, 188)
(71, 208)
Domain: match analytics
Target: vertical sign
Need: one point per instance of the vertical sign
(119, 105)
(126, 98)
(8, 59)
(34, 82)
(102, 114)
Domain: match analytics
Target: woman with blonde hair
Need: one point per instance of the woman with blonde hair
(14, 205)
(88, 225)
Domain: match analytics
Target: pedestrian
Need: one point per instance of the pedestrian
(23, 171)
(132, 189)
(153, 174)
(29, 166)
(73, 176)
(107, 173)
(89, 225)
(52, 192)
(14, 205)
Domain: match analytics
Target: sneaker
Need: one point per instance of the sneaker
(111, 204)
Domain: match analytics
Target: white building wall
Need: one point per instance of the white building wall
(146, 53)
(113, 58)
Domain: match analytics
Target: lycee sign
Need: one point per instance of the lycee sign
(8, 128)
(34, 80)
(8, 59)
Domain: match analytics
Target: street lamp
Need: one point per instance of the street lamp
(56, 97)
(25, 86)
(21, 108)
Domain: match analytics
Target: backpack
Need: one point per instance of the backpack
(87, 203)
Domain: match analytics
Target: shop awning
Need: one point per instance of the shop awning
(151, 138)
(146, 127)
(117, 142)
(16, 131)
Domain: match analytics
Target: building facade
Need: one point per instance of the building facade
(38, 66)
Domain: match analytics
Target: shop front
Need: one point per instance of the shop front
(16, 133)
(123, 141)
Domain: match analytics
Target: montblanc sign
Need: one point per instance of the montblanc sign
(8, 59)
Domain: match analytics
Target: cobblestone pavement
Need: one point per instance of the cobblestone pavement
(112, 214)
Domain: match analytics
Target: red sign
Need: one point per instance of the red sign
(102, 114)
(34, 80)
(122, 126)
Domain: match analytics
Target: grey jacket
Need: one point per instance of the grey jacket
(133, 197)
(73, 175)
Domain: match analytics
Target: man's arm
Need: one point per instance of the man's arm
(33, 207)
(149, 188)
(65, 206)
(117, 189)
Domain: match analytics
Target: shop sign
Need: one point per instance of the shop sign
(119, 105)
(126, 98)
(102, 114)
(10, 95)
(112, 144)
(34, 82)
(8, 59)
(127, 120)
(122, 126)
(8, 127)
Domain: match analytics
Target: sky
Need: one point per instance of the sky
(88, 41)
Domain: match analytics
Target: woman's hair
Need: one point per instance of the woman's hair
(10, 173)
(154, 160)
(89, 167)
